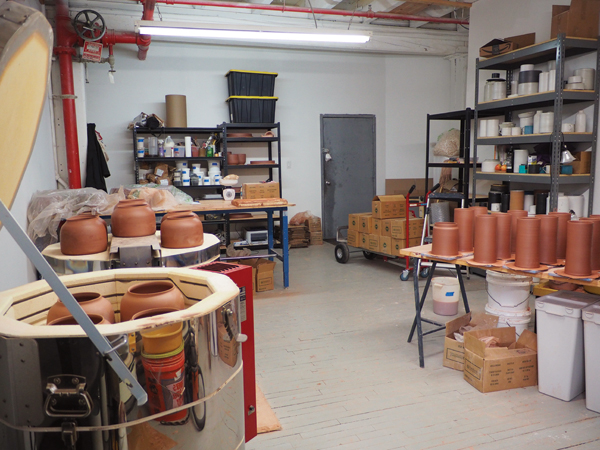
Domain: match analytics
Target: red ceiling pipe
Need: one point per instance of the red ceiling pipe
(296, 9)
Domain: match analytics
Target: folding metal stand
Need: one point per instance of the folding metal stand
(420, 301)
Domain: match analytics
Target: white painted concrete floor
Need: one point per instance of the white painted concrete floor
(333, 362)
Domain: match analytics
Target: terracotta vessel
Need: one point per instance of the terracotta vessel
(477, 210)
(464, 217)
(133, 218)
(527, 254)
(91, 302)
(181, 229)
(517, 200)
(150, 295)
(579, 248)
(97, 319)
(595, 241)
(485, 248)
(83, 234)
(232, 159)
(561, 243)
(548, 238)
(515, 214)
(503, 235)
(445, 239)
(241, 158)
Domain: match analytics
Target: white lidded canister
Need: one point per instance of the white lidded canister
(446, 292)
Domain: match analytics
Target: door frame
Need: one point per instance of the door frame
(322, 152)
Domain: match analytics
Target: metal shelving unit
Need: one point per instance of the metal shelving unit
(557, 49)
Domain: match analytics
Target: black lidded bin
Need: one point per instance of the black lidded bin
(244, 109)
(253, 84)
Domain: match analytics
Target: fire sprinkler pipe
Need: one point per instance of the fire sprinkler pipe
(331, 12)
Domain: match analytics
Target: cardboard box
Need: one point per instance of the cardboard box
(260, 190)
(376, 225)
(363, 239)
(365, 223)
(263, 276)
(373, 243)
(385, 245)
(398, 228)
(578, 20)
(399, 244)
(316, 238)
(582, 163)
(353, 237)
(454, 351)
(500, 46)
(401, 186)
(354, 221)
(388, 206)
(513, 364)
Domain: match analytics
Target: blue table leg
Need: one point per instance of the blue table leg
(270, 231)
(284, 249)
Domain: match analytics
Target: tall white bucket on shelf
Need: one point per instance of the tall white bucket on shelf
(507, 292)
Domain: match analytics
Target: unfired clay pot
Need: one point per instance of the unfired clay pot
(561, 243)
(595, 240)
(97, 319)
(463, 217)
(83, 234)
(232, 159)
(503, 235)
(485, 248)
(527, 254)
(241, 158)
(133, 218)
(515, 214)
(150, 295)
(181, 229)
(548, 238)
(579, 248)
(445, 239)
(91, 302)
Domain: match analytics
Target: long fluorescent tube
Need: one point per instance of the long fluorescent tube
(190, 31)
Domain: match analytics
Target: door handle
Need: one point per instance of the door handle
(328, 183)
(328, 157)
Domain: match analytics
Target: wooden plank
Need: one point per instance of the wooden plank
(410, 8)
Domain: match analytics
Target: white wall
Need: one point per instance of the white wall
(398, 90)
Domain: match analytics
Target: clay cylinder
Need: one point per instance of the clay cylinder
(445, 239)
(548, 238)
(515, 214)
(561, 243)
(517, 200)
(477, 210)
(463, 217)
(579, 248)
(595, 241)
(503, 235)
(485, 239)
(527, 254)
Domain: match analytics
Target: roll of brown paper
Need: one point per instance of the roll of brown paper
(176, 111)
(517, 200)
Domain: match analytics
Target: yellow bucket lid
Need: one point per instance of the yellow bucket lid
(251, 71)
(249, 98)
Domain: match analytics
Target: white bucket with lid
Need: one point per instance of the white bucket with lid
(518, 319)
(445, 296)
(507, 292)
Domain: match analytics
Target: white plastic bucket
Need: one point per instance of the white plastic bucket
(518, 319)
(507, 292)
(445, 296)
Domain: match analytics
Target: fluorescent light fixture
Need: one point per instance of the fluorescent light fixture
(187, 30)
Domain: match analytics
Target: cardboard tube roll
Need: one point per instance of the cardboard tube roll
(176, 111)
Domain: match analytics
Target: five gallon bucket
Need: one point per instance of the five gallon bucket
(518, 319)
(445, 296)
(507, 292)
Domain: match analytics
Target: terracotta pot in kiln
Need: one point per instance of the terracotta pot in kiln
(150, 295)
(91, 302)
(241, 158)
(485, 248)
(133, 218)
(579, 248)
(97, 319)
(232, 159)
(503, 235)
(561, 243)
(445, 239)
(515, 214)
(83, 234)
(527, 254)
(595, 240)
(181, 229)
(463, 217)
(548, 238)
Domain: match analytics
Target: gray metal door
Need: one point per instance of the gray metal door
(347, 168)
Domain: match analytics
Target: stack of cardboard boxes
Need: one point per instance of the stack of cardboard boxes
(314, 229)
(383, 230)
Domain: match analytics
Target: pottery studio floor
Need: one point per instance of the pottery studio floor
(333, 362)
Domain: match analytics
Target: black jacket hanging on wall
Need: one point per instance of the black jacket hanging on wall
(96, 167)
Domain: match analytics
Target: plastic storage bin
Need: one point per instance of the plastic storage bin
(560, 343)
(251, 109)
(591, 341)
(247, 82)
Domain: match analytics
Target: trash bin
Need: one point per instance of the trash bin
(591, 342)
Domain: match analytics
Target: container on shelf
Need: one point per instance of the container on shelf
(250, 83)
(249, 109)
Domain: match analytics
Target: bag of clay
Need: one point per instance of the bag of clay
(448, 143)
(300, 218)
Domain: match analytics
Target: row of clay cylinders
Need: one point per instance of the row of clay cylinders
(583, 247)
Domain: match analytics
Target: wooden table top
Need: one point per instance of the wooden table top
(222, 205)
(424, 252)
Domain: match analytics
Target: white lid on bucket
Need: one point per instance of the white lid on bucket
(565, 303)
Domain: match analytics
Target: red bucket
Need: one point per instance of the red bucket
(165, 383)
